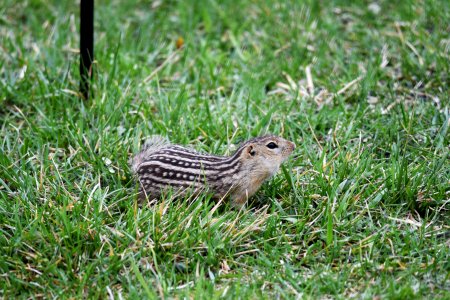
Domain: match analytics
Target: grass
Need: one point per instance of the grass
(360, 210)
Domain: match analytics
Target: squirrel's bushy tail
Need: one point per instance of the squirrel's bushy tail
(151, 145)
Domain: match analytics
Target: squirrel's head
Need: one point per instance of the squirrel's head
(265, 154)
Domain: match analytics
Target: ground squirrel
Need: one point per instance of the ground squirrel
(161, 165)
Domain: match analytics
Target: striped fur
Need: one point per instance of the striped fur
(161, 165)
(183, 168)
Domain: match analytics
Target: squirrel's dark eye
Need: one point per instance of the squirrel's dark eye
(272, 145)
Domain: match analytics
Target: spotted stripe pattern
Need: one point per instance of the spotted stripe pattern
(161, 165)
(180, 168)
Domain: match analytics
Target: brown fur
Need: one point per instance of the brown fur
(161, 165)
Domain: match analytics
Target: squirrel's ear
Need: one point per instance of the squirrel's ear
(251, 150)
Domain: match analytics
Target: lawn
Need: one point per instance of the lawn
(361, 209)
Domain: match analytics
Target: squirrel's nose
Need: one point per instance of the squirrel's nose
(292, 145)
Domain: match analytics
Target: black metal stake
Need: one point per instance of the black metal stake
(86, 45)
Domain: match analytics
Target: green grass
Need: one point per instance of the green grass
(360, 210)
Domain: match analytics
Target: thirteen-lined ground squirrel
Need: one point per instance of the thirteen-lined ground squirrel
(161, 165)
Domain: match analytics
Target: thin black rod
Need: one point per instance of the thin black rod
(86, 45)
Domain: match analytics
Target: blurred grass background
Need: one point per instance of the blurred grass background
(361, 210)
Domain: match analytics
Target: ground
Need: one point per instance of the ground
(360, 210)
